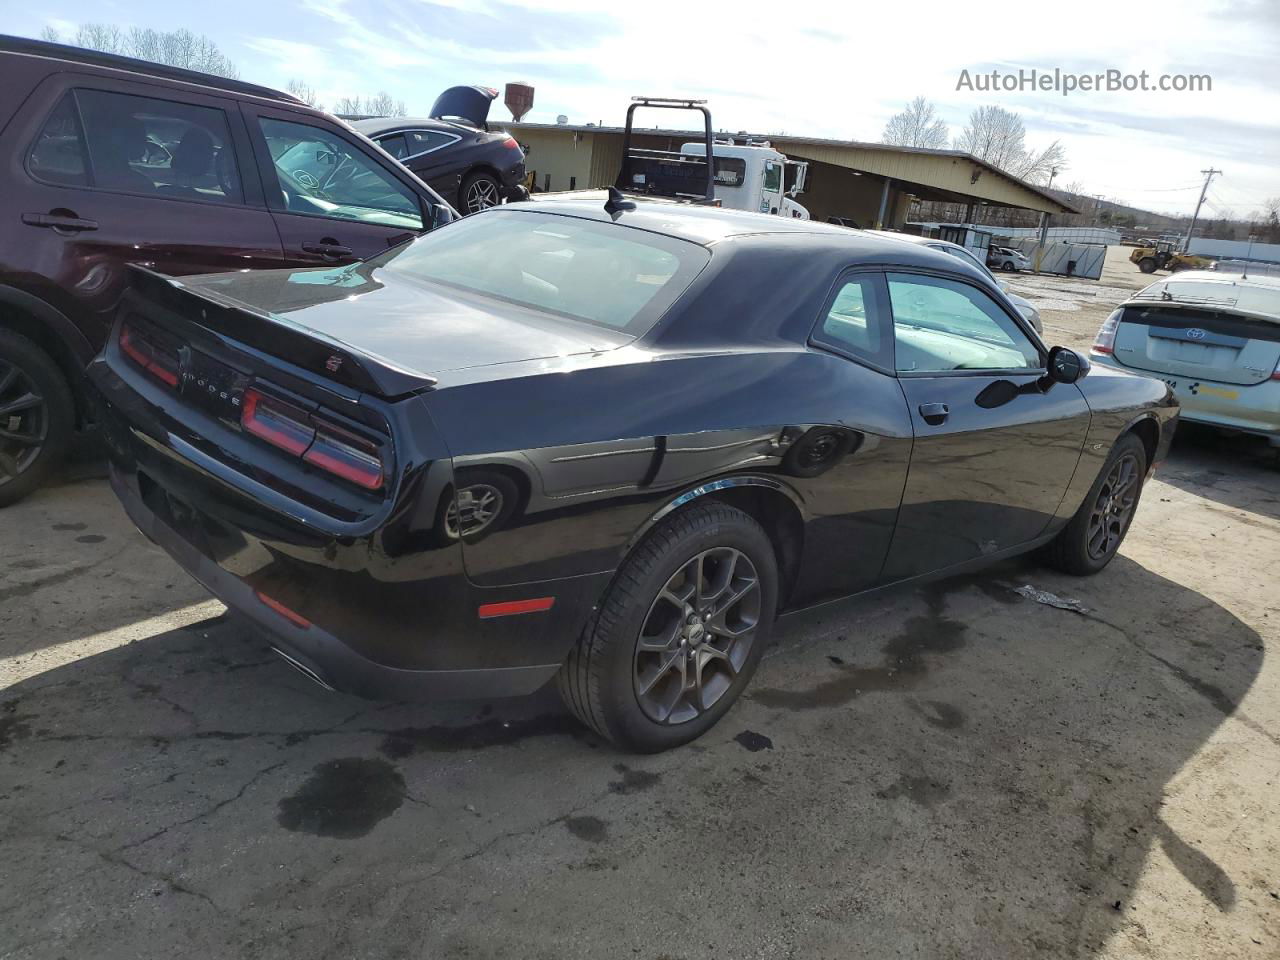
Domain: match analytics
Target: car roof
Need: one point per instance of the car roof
(1256, 296)
(62, 51)
(375, 126)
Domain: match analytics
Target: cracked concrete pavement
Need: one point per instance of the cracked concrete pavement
(955, 771)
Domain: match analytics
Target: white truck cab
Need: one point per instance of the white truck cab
(753, 176)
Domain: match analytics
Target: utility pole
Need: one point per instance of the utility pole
(1208, 175)
(1044, 224)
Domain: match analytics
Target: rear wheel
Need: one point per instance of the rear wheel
(679, 633)
(1147, 265)
(1095, 533)
(480, 191)
(37, 416)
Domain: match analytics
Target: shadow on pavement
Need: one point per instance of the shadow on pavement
(954, 771)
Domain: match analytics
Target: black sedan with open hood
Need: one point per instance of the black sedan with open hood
(603, 446)
(454, 150)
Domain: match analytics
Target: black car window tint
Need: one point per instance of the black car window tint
(159, 147)
(324, 175)
(421, 141)
(943, 325)
(58, 155)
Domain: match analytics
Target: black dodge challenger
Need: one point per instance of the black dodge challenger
(605, 446)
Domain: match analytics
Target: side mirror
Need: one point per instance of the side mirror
(440, 215)
(1066, 366)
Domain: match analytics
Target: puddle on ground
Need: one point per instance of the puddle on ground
(344, 799)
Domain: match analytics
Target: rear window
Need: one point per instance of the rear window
(603, 274)
(1203, 322)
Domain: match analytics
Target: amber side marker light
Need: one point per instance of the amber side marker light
(297, 619)
(490, 610)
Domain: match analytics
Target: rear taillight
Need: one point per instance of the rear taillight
(316, 439)
(155, 360)
(1275, 374)
(1104, 343)
(511, 143)
(346, 455)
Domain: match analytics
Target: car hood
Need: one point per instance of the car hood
(420, 326)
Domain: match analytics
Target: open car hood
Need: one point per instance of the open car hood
(469, 104)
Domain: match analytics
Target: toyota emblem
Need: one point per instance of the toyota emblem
(1195, 333)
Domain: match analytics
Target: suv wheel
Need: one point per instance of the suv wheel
(679, 633)
(37, 417)
(480, 191)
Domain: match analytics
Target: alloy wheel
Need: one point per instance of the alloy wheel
(1113, 509)
(24, 421)
(482, 195)
(697, 635)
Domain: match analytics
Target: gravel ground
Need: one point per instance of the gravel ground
(955, 771)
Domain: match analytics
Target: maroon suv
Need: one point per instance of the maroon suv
(109, 161)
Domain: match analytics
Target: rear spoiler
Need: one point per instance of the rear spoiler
(309, 349)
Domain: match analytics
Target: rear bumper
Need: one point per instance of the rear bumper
(318, 653)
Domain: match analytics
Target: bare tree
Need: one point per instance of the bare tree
(350, 107)
(304, 92)
(175, 48)
(999, 137)
(916, 126)
(383, 106)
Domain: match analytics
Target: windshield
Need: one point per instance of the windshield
(601, 273)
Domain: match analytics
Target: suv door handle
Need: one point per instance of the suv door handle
(934, 414)
(58, 222)
(327, 249)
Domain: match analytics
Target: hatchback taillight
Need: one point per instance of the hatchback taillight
(162, 364)
(318, 440)
(511, 143)
(1104, 343)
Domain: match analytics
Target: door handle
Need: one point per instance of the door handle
(327, 249)
(934, 414)
(58, 222)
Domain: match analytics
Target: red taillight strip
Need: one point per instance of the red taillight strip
(490, 610)
(145, 358)
(297, 619)
(271, 421)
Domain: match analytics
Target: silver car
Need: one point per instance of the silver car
(1214, 337)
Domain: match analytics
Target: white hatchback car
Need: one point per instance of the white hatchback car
(1214, 337)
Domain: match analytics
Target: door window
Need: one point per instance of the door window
(851, 322)
(944, 325)
(772, 176)
(394, 145)
(138, 145)
(323, 175)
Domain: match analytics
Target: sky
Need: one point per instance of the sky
(822, 69)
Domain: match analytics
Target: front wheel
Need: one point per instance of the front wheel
(1092, 537)
(1147, 265)
(679, 633)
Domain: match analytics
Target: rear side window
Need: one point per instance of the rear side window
(58, 155)
(852, 321)
(116, 141)
(423, 141)
(394, 145)
(604, 274)
(730, 171)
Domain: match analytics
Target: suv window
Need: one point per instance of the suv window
(322, 174)
(944, 325)
(138, 145)
(851, 322)
(422, 141)
(58, 154)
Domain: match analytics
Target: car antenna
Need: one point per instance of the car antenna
(617, 203)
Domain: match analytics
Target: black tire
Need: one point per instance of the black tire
(1008, 266)
(1070, 550)
(1147, 265)
(27, 371)
(479, 186)
(598, 680)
